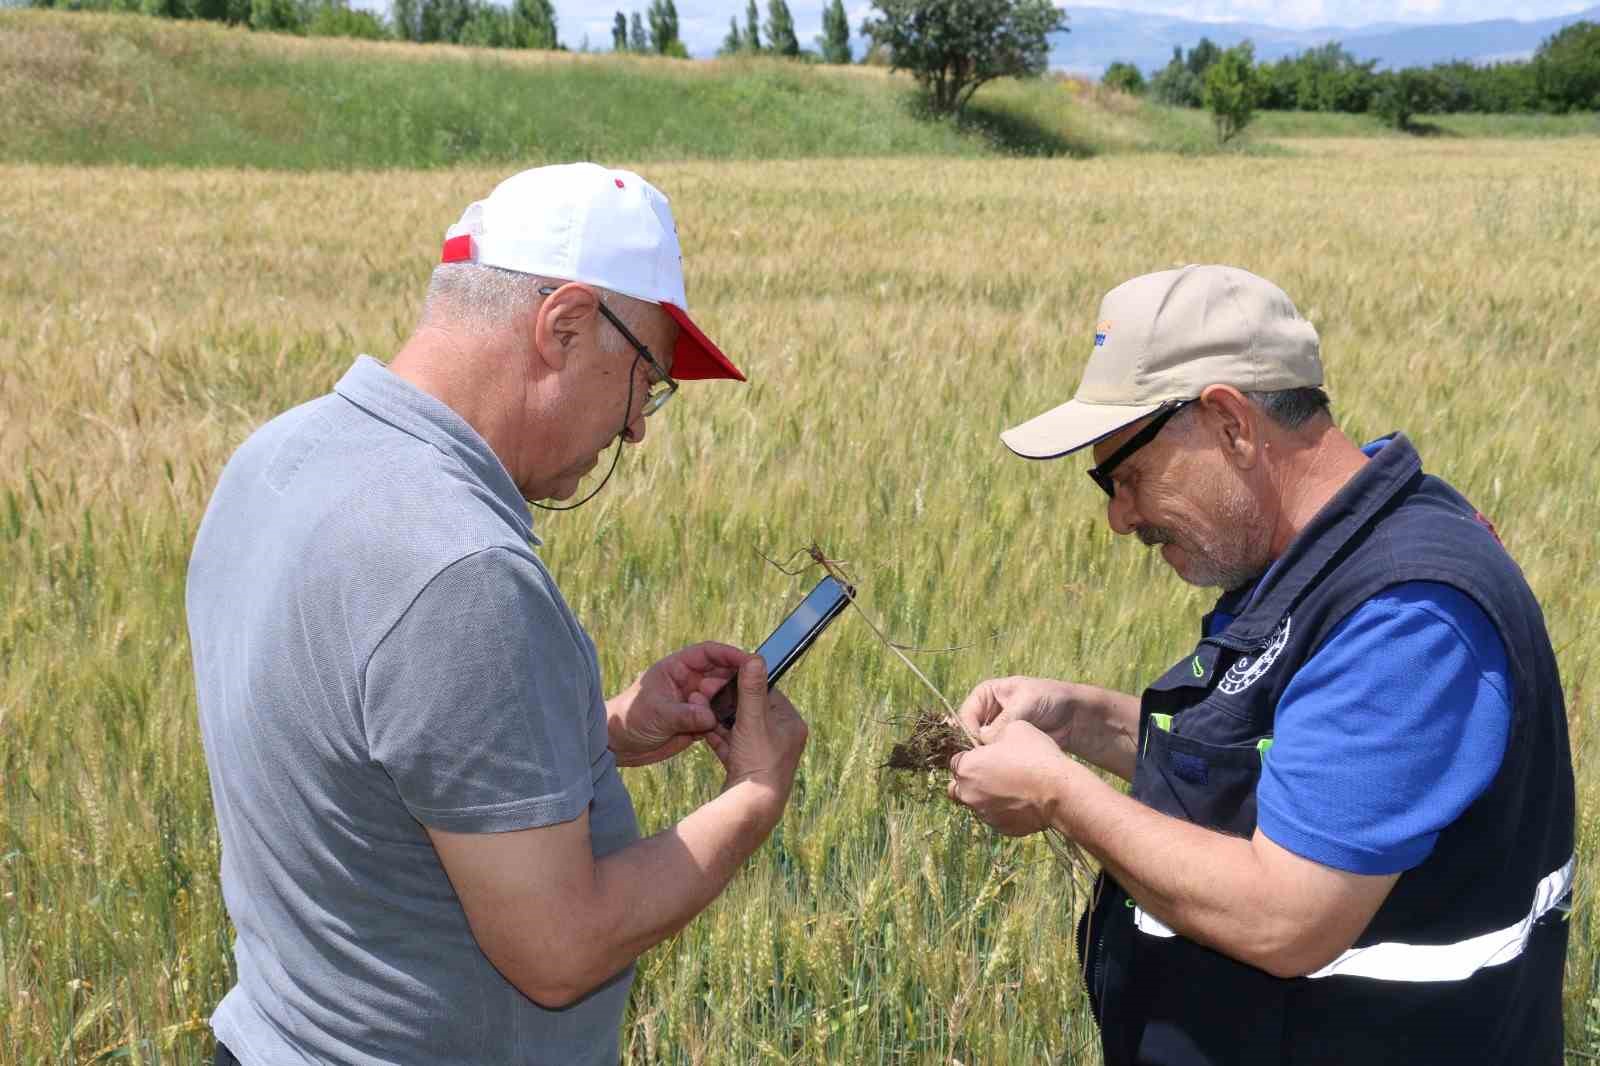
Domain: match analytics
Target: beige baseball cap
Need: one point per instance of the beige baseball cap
(1168, 335)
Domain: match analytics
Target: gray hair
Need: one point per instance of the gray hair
(1291, 408)
(1287, 408)
(486, 296)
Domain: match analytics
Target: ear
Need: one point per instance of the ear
(1234, 423)
(564, 316)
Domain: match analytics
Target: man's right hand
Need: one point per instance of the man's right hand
(767, 737)
(1092, 723)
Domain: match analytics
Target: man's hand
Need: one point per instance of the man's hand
(766, 740)
(1015, 781)
(1092, 723)
(668, 707)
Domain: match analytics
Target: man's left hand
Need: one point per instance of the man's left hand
(1014, 782)
(669, 707)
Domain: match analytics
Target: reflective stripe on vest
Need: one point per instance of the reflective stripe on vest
(1429, 962)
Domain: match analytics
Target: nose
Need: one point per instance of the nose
(1120, 513)
(633, 432)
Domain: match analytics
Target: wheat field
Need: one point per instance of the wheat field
(893, 316)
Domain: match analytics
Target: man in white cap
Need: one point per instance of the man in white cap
(1349, 836)
(427, 850)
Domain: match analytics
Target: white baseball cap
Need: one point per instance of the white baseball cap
(583, 222)
(1168, 335)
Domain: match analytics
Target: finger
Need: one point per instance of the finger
(711, 655)
(979, 708)
(655, 755)
(752, 694)
(688, 667)
(950, 790)
(955, 762)
(692, 718)
(718, 743)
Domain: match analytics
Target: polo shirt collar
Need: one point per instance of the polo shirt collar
(388, 397)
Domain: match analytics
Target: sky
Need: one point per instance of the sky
(704, 23)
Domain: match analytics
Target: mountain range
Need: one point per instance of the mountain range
(1101, 35)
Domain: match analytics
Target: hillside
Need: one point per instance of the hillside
(78, 88)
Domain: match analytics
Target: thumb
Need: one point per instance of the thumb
(752, 691)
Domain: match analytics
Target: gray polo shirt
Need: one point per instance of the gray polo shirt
(378, 649)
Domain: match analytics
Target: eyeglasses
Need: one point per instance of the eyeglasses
(1101, 475)
(661, 385)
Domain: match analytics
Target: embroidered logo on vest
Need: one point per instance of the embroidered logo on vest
(1247, 671)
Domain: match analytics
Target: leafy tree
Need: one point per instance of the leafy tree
(1404, 93)
(1175, 84)
(441, 20)
(487, 26)
(780, 29)
(619, 33)
(533, 24)
(637, 41)
(1325, 78)
(663, 16)
(406, 16)
(1566, 69)
(1230, 90)
(284, 16)
(752, 29)
(834, 43)
(733, 43)
(1124, 77)
(336, 18)
(1201, 56)
(952, 47)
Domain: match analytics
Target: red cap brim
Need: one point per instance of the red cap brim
(696, 358)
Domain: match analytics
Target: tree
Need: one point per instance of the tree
(1175, 84)
(532, 24)
(834, 43)
(1230, 90)
(733, 43)
(619, 33)
(637, 41)
(752, 31)
(285, 16)
(336, 18)
(1566, 69)
(1404, 93)
(952, 47)
(1124, 77)
(663, 26)
(1201, 56)
(443, 20)
(780, 29)
(407, 18)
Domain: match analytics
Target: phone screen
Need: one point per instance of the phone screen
(801, 627)
(789, 641)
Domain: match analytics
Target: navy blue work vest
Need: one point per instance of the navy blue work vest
(1463, 961)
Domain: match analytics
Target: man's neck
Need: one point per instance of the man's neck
(1320, 462)
(450, 367)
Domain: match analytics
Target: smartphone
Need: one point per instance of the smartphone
(789, 641)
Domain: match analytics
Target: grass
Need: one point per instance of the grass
(98, 89)
(893, 315)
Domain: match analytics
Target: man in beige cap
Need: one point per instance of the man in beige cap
(1349, 836)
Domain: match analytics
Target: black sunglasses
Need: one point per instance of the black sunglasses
(662, 385)
(1101, 474)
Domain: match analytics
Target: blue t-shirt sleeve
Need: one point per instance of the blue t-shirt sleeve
(1388, 733)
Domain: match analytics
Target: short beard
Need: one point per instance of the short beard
(1213, 561)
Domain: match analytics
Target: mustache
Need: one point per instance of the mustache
(1150, 536)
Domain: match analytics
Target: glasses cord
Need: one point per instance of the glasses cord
(617, 455)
